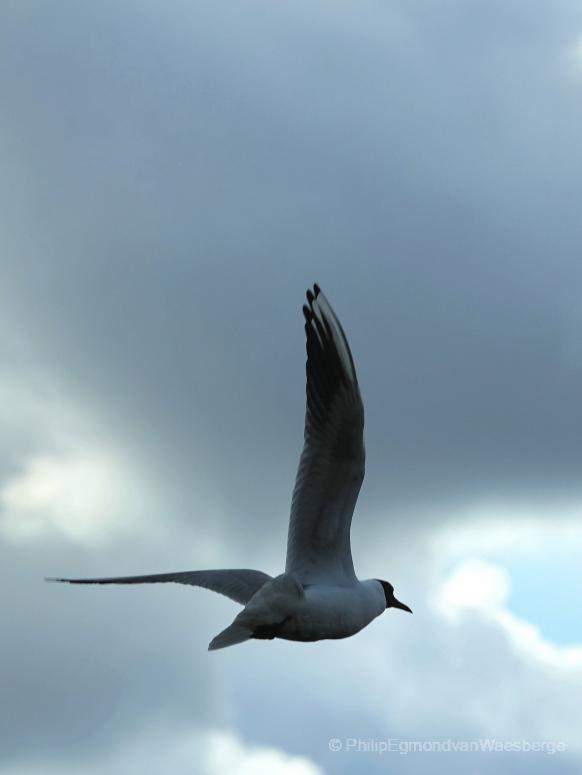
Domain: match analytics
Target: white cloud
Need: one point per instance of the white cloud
(528, 639)
(571, 64)
(67, 474)
(80, 495)
(226, 754)
(475, 584)
(213, 752)
(522, 528)
(483, 587)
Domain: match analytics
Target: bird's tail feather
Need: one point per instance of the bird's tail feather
(234, 633)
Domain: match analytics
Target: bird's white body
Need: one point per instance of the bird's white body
(335, 612)
(283, 608)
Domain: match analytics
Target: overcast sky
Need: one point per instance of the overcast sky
(174, 176)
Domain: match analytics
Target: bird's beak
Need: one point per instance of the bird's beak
(398, 604)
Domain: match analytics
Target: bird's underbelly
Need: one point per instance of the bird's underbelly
(299, 631)
(321, 623)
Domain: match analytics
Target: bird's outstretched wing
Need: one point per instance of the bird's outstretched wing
(239, 585)
(331, 468)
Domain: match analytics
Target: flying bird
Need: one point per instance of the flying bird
(318, 596)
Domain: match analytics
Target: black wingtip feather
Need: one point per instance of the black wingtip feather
(317, 289)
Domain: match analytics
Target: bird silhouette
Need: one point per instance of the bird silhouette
(318, 596)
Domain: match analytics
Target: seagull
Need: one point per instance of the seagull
(319, 596)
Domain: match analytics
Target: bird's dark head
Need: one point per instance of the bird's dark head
(391, 601)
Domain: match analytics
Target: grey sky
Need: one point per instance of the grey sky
(173, 177)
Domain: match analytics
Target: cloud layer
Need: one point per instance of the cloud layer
(174, 176)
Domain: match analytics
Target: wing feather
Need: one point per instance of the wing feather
(332, 464)
(237, 584)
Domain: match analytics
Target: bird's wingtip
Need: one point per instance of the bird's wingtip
(313, 294)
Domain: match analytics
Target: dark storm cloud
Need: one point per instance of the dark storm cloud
(174, 177)
(174, 194)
